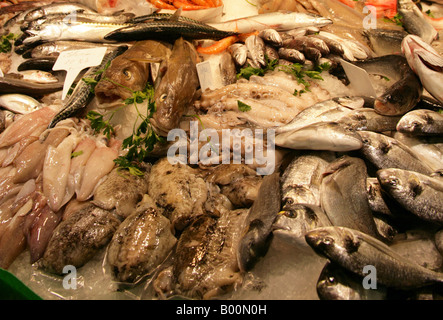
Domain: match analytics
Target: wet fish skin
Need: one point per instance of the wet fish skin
(414, 21)
(354, 250)
(291, 55)
(367, 119)
(258, 224)
(239, 52)
(421, 122)
(19, 103)
(386, 152)
(56, 8)
(166, 30)
(43, 64)
(329, 136)
(256, 49)
(10, 85)
(82, 94)
(130, 70)
(385, 42)
(420, 194)
(271, 36)
(337, 283)
(343, 195)
(176, 87)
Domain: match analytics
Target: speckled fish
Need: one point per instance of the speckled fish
(406, 90)
(421, 122)
(82, 94)
(414, 21)
(130, 70)
(166, 30)
(386, 152)
(425, 61)
(176, 87)
(354, 250)
(420, 194)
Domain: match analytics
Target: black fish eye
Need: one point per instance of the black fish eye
(328, 241)
(291, 214)
(330, 280)
(163, 97)
(393, 182)
(127, 73)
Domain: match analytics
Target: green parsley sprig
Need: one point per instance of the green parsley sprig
(6, 42)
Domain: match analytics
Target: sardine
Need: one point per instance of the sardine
(55, 8)
(239, 52)
(329, 136)
(414, 21)
(257, 227)
(19, 103)
(355, 250)
(291, 55)
(343, 195)
(271, 36)
(256, 49)
(82, 94)
(166, 30)
(406, 90)
(420, 194)
(426, 63)
(421, 122)
(130, 70)
(176, 88)
(386, 152)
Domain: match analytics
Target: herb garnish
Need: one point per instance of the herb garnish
(397, 19)
(243, 107)
(6, 42)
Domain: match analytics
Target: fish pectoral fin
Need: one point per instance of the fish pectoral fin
(176, 14)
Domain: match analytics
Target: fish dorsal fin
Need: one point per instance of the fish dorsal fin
(176, 15)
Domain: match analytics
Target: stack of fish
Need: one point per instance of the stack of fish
(357, 179)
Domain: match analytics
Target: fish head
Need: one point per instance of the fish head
(418, 52)
(122, 78)
(391, 180)
(332, 242)
(35, 14)
(334, 284)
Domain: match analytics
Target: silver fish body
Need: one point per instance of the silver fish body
(239, 52)
(271, 36)
(57, 8)
(19, 103)
(386, 152)
(355, 250)
(414, 21)
(420, 194)
(256, 49)
(421, 122)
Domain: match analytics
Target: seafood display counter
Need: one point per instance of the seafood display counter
(224, 150)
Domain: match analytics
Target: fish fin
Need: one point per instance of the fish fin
(431, 60)
(176, 14)
(415, 185)
(351, 243)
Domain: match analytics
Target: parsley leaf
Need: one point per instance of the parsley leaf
(6, 42)
(243, 107)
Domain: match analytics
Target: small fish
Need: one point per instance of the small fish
(256, 49)
(10, 85)
(291, 55)
(386, 152)
(367, 119)
(414, 21)
(82, 94)
(271, 52)
(43, 64)
(271, 36)
(56, 8)
(355, 250)
(38, 76)
(19, 103)
(329, 136)
(166, 30)
(425, 61)
(239, 52)
(384, 42)
(421, 122)
(420, 194)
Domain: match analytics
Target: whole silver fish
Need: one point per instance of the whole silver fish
(355, 250)
(239, 52)
(414, 21)
(344, 195)
(57, 8)
(367, 119)
(420, 194)
(386, 152)
(271, 36)
(426, 62)
(82, 94)
(338, 283)
(330, 136)
(19, 103)
(421, 122)
(291, 55)
(256, 49)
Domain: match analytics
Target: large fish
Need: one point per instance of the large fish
(425, 61)
(355, 250)
(421, 122)
(176, 87)
(131, 70)
(414, 21)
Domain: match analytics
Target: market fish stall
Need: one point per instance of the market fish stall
(222, 150)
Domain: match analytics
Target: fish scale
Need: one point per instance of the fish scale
(82, 94)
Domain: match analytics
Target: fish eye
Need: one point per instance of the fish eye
(127, 73)
(163, 97)
(291, 214)
(328, 241)
(393, 182)
(330, 280)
